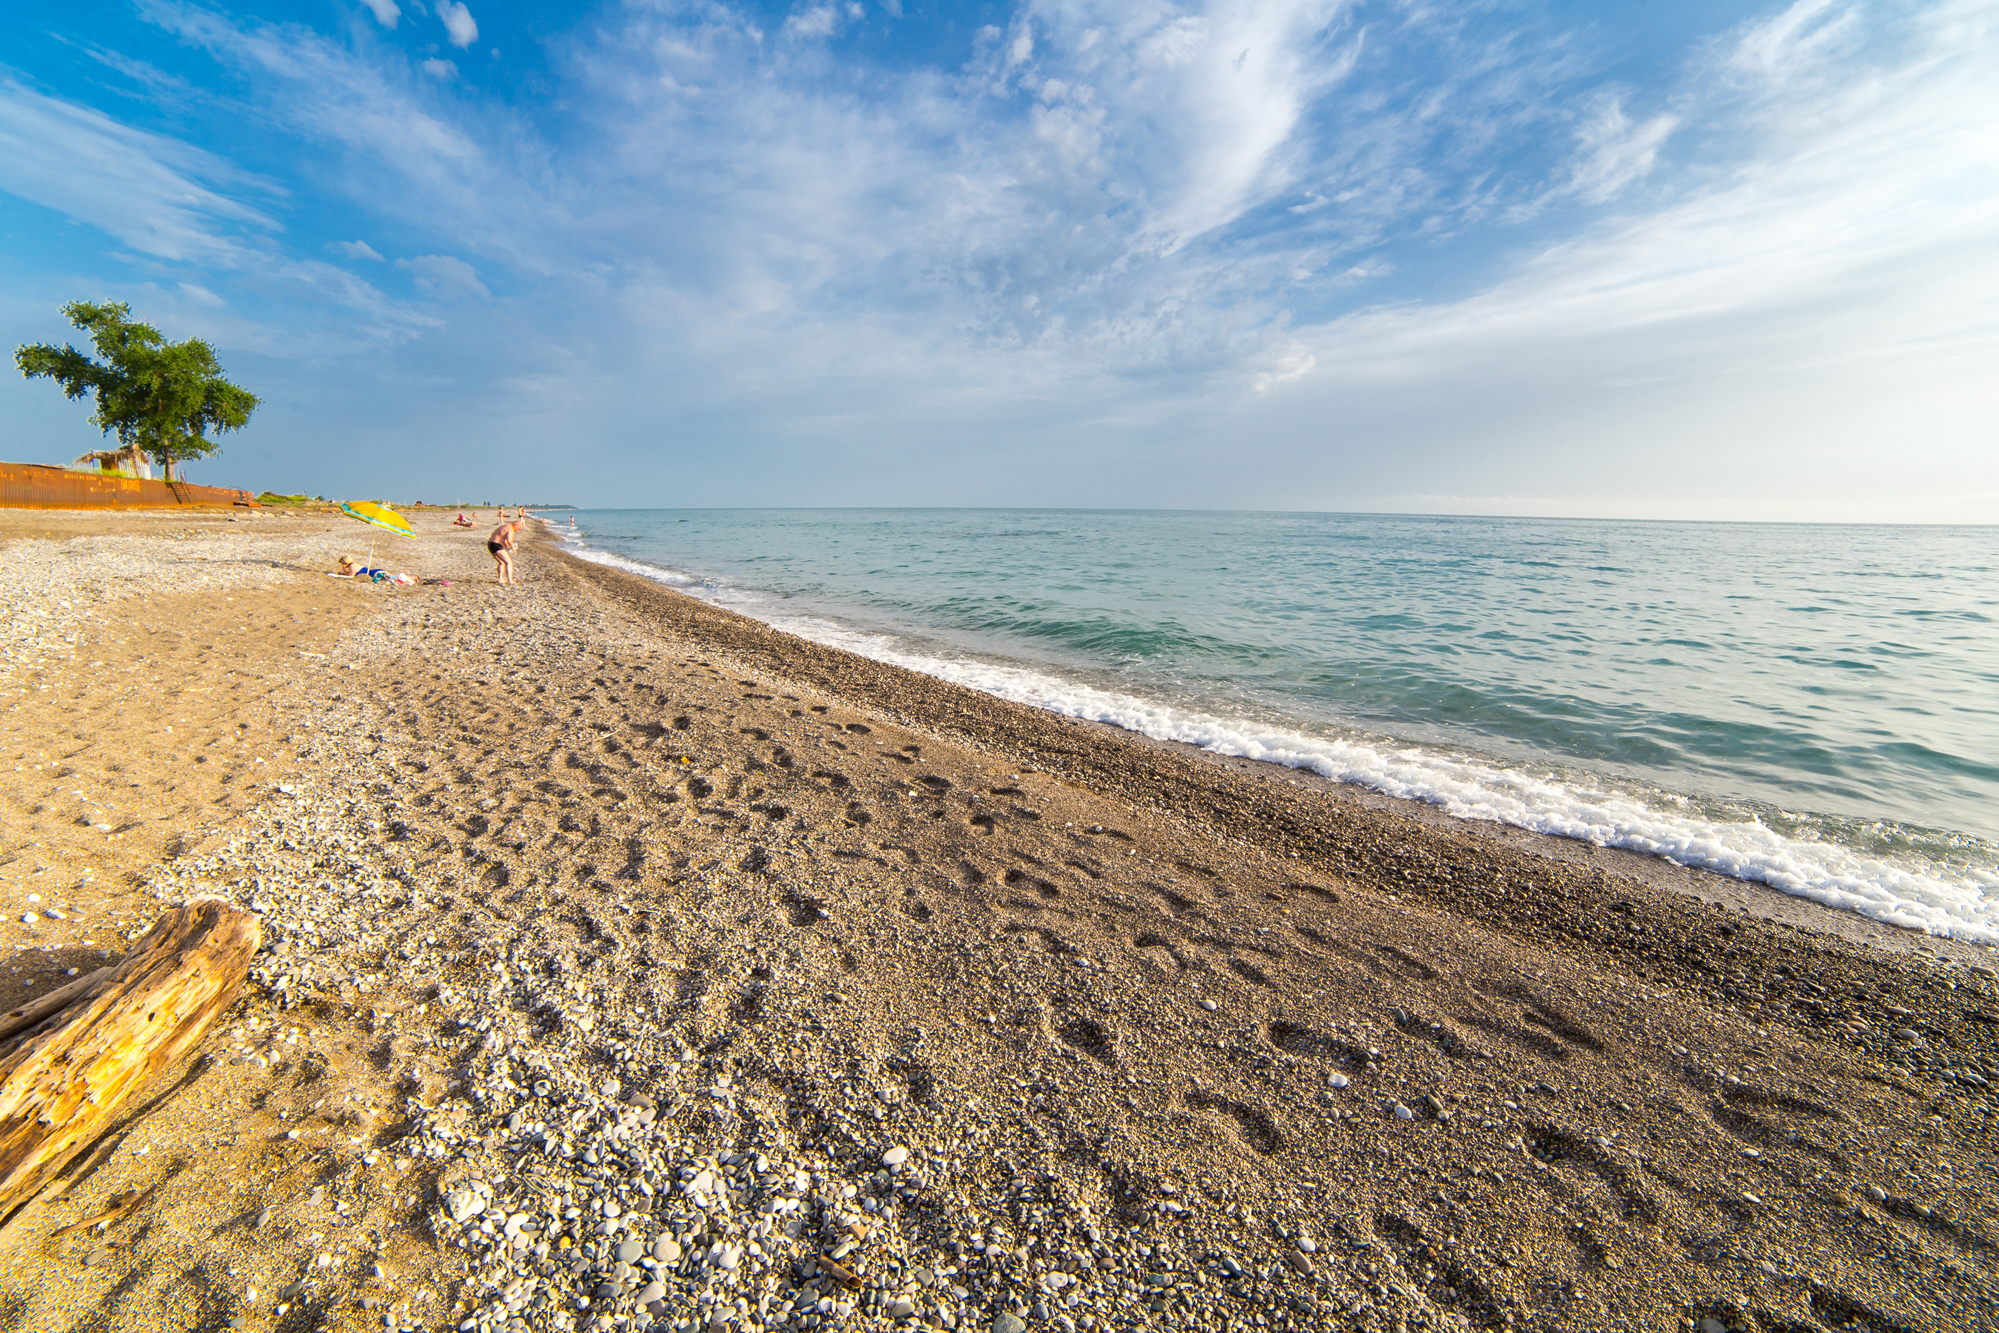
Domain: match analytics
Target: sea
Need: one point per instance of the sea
(1815, 708)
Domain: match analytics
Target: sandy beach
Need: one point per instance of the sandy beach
(631, 964)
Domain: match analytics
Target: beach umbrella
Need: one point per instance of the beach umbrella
(377, 516)
(382, 517)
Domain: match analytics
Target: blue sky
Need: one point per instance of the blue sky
(1624, 259)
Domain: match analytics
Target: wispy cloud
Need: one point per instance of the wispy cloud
(1840, 172)
(174, 204)
(1616, 151)
(159, 196)
(1820, 286)
(1129, 221)
(410, 149)
(444, 275)
(386, 12)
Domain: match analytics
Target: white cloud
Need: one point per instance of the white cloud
(1204, 107)
(819, 21)
(458, 24)
(439, 69)
(201, 295)
(386, 12)
(1293, 361)
(443, 275)
(355, 250)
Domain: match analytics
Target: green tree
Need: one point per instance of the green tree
(162, 398)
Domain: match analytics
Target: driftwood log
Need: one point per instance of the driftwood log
(71, 1060)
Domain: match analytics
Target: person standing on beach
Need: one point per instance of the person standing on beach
(501, 543)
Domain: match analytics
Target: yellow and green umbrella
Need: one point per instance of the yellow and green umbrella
(379, 515)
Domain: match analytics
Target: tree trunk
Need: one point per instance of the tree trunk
(70, 1061)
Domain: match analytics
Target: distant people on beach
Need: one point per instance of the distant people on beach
(461, 521)
(501, 543)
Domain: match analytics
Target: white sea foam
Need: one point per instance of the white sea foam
(1962, 905)
(673, 578)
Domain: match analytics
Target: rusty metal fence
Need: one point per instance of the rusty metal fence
(40, 486)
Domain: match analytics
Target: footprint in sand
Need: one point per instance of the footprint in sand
(1016, 878)
(1316, 890)
(1255, 1126)
(1090, 1037)
(1308, 1042)
(1559, 1147)
(1543, 1019)
(1420, 1258)
(1408, 962)
(1538, 1042)
(1249, 971)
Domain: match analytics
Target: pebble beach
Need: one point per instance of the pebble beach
(628, 964)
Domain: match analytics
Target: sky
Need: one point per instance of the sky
(1630, 258)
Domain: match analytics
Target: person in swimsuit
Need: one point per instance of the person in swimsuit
(501, 544)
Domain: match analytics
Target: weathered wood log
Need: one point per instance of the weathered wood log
(17, 1025)
(66, 1072)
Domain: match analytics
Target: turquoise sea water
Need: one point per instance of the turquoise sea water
(1813, 707)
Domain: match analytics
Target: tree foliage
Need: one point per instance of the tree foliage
(160, 397)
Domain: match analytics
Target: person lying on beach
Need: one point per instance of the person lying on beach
(461, 521)
(500, 542)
